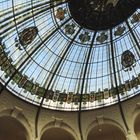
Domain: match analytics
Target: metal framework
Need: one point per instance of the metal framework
(76, 69)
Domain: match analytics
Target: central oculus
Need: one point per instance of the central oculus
(101, 14)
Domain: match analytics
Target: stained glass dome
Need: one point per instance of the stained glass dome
(70, 54)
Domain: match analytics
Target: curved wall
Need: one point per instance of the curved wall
(56, 134)
(102, 123)
(11, 129)
(106, 132)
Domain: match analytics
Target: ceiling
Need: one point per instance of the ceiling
(53, 59)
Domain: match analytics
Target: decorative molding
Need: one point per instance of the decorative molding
(131, 136)
(57, 122)
(100, 121)
(16, 111)
(138, 105)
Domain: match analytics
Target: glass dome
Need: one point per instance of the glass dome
(54, 57)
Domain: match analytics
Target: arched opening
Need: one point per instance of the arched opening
(137, 127)
(57, 134)
(11, 129)
(106, 132)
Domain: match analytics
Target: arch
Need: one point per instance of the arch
(57, 134)
(106, 130)
(51, 127)
(18, 120)
(12, 129)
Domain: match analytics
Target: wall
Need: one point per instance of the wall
(25, 113)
